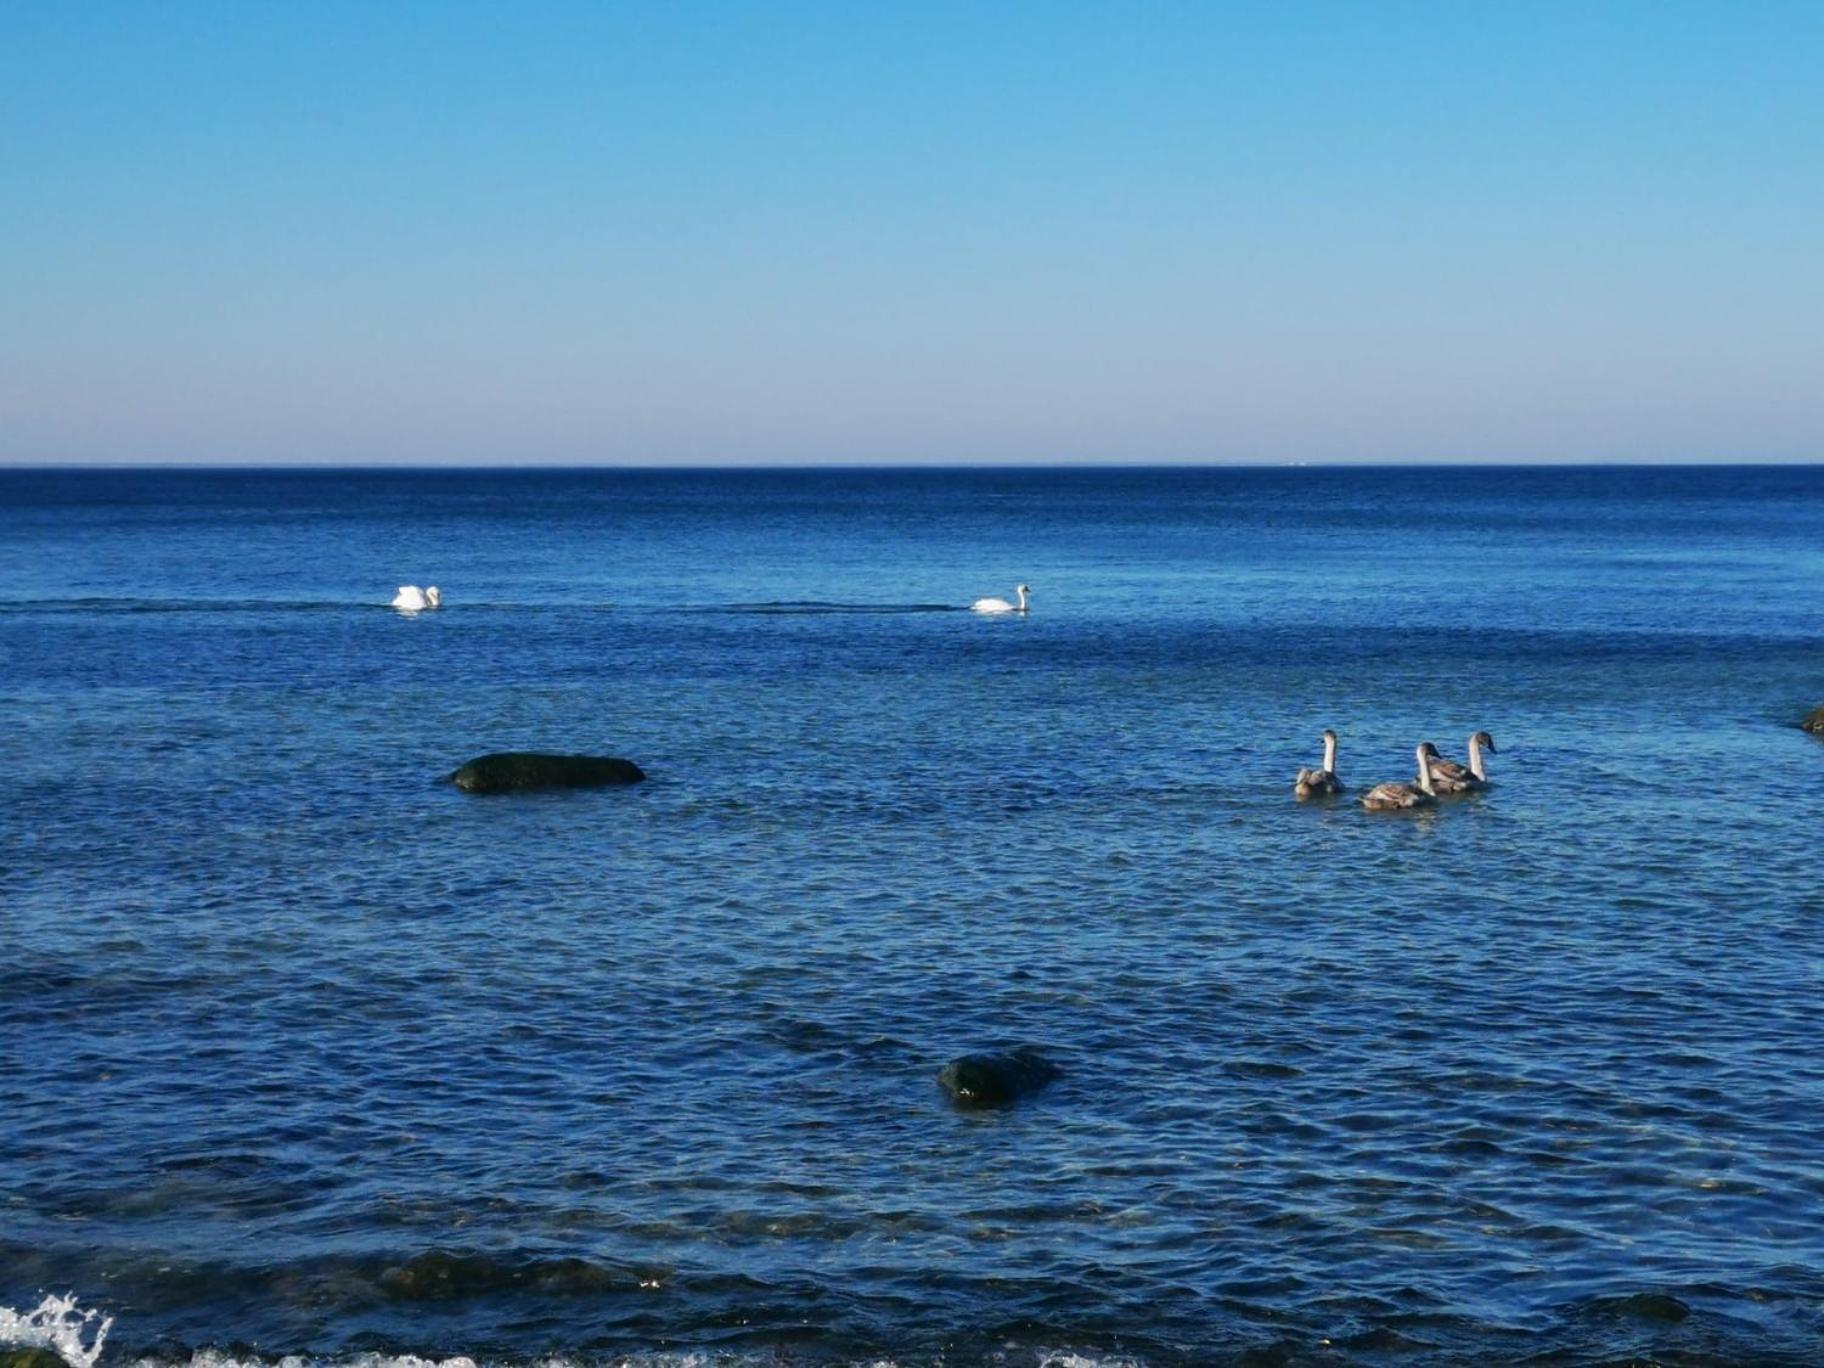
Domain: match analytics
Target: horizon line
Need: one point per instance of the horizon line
(866, 466)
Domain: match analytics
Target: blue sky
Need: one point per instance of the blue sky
(734, 233)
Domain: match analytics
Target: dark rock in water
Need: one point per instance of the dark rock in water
(1814, 721)
(21, 1357)
(996, 1080)
(1647, 1306)
(510, 771)
(447, 1275)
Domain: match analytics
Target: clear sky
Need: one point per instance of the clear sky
(859, 231)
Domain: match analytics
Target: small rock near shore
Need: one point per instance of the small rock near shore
(29, 1356)
(996, 1080)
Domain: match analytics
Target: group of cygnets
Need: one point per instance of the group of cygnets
(1436, 775)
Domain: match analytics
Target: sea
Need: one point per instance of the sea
(309, 1058)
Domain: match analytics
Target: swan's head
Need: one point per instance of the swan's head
(1022, 588)
(1329, 735)
(432, 597)
(1427, 751)
(1487, 742)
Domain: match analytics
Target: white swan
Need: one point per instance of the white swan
(997, 605)
(1319, 783)
(1398, 797)
(412, 599)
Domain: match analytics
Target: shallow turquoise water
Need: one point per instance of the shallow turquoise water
(306, 1052)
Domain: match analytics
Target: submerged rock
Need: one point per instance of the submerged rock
(996, 1080)
(1814, 721)
(29, 1356)
(510, 771)
(449, 1275)
(1646, 1306)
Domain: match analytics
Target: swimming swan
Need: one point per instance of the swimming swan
(994, 605)
(1398, 797)
(1447, 776)
(412, 599)
(1320, 783)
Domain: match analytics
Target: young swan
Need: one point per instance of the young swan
(1447, 776)
(1320, 783)
(1400, 797)
(1000, 605)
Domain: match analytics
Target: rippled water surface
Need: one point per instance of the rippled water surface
(306, 1052)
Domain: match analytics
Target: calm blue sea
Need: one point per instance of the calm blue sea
(304, 1052)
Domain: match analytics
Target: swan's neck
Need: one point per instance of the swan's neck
(1425, 772)
(1021, 593)
(1330, 754)
(1475, 759)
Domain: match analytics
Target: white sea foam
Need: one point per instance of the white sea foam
(209, 1358)
(57, 1325)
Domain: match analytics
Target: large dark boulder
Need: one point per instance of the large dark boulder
(1814, 721)
(512, 771)
(996, 1080)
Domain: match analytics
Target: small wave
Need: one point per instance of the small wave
(213, 1358)
(55, 1324)
(657, 1358)
(441, 1275)
(178, 605)
(135, 606)
(812, 607)
(60, 1327)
